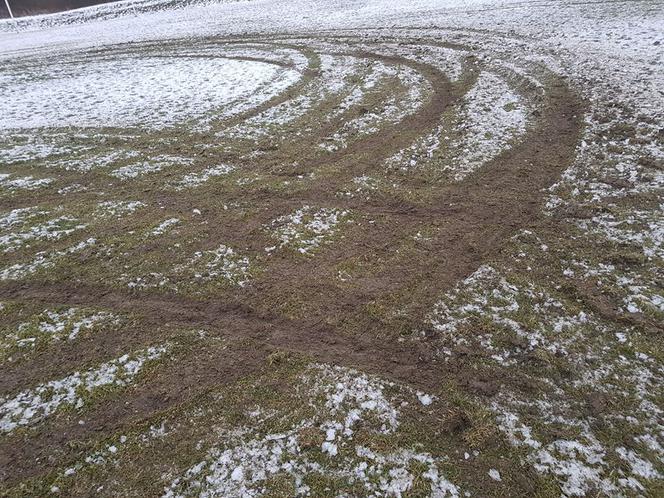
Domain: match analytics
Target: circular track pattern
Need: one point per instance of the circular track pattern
(194, 231)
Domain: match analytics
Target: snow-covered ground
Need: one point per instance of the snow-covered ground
(125, 91)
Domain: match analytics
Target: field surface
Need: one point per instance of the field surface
(333, 248)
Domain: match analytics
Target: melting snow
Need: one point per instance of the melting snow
(307, 229)
(33, 405)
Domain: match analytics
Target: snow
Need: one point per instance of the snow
(43, 260)
(89, 163)
(393, 110)
(192, 180)
(489, 295)
(329, 448)
(578, 465)
(19, 217)
(155, 164)
(246, 459)
(33, 405)
(50, 230)
(165, 226)
(308, 229)
(152, 92)
(640, 467)
(590, 346)
(23, 183)
(29, 151)
(492, 117)
(425, 399)
(54, 325)
(118, 209)
(222, 264)
(336, 71)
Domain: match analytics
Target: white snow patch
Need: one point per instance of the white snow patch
(307, 229)
(191, 180)
(34, 405)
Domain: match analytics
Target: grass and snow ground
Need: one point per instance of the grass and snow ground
(492, 117)
(608, 371)
(179, 160)
(306, 229)
(41, 329)
(346, 402)
(32, 405)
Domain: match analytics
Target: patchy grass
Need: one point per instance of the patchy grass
(398, 262)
